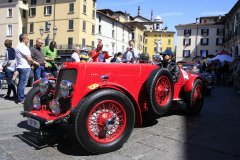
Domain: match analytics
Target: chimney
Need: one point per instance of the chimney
(152, 15)
(197, 21)
(139, 10)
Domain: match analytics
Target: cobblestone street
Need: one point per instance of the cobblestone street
(214, 134)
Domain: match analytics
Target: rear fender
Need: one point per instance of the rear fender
(96, 86)
(189, 83)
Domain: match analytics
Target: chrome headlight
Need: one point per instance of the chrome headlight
(66, 88)
(209, 79)
(36, 102)
(43, 85)
(55, 108)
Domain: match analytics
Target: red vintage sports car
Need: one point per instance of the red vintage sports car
(103, 101)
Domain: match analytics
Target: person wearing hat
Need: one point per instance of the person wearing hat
(170, 65)
(98, 55)
(83, 55)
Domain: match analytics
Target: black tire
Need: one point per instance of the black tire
(82, 117)
(194, 104)
(28, 102)
(155, 107)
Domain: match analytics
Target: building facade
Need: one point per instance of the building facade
(198, 40)
(13, 21)
(232, 30)
(152, 38)
(112, 33)
(75, 21)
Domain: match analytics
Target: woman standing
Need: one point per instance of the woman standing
(9, 68)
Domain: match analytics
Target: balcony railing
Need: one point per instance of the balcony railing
(72, 46)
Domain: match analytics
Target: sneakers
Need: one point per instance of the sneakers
(6, 96)
(20, 102)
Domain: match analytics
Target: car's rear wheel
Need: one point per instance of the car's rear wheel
(195, 98)
(160, 91)
(28, 102)
(103, 121)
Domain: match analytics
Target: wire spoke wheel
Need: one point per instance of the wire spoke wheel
(197, 96)
(106, 121)
(163, 91)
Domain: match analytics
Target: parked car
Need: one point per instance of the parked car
(103, 101)
(195, 68)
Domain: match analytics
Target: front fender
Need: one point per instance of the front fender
(36, 83)
(96, 86)
(189, 83)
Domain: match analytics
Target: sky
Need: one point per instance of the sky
(173, 12)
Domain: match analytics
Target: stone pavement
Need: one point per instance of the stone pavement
(211, 135)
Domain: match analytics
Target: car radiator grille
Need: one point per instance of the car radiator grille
(65, 74)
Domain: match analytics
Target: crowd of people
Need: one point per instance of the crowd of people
(227, 73)
(41, 61)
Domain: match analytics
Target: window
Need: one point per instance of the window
(92, 43)
(219, 41)
(93, 14)
(187, 32)
(204, 32)
(220, 31)
(30, 43)
(31, 28)
(145, 50)
(204, 53)
(100, 29)
(24, 13)
(32, 12)
(145, 41)
(33, 2)
(113, 33)
(70, 25)
(9, 30)
(94, 3)
(84, 9)
(169, 41)
(47, 10)
(93, 29)
(46, 28)
(24, 30)
(133, 36)
(113, 48)
(141, 38)
(9, 14)
(85, 1)
(186, 53)
(71, 7)
(9, 1)
(48, 1)
(204, 41)
(112, 24)
(100, 19)
(83, 42)
(187, 41)
(70, 43)
(84, 26)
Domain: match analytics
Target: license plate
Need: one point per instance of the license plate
(34, 123)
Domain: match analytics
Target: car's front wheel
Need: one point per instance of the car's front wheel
(28, 102)
(104, 120)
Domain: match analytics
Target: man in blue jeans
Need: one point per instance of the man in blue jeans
(24, 60)
(39, 61)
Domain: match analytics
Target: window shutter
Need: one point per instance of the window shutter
(190, 31)
(201, 31)
(29, 11)
(50, 10)
(201, 41)
(207, 31)
(184, 42)
(45, 10)
(183, 53)
(207, 41)
(184, 32)
(189, 41)
(206, 53)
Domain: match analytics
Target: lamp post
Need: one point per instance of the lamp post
(48, 30)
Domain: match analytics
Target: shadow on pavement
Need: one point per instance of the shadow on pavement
(58, 136)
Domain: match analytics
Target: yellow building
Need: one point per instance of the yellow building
(152, 38)
(74, 19)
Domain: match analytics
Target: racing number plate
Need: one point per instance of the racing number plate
(34, 123)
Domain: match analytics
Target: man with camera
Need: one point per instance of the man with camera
(98, 55)
(131, 53)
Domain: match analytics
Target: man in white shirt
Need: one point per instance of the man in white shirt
(76, 53)
(131, 53)
(24, 60)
